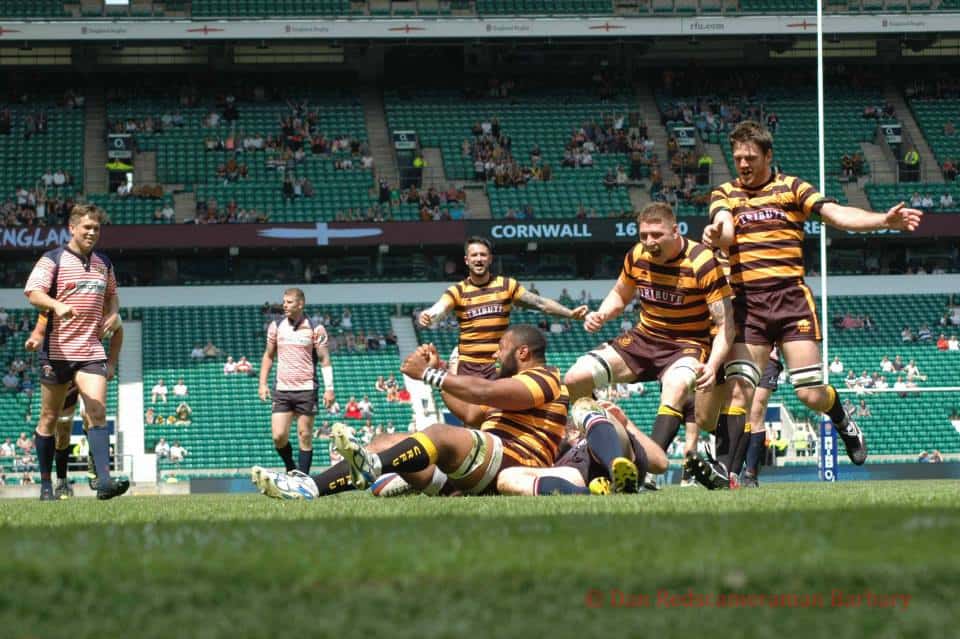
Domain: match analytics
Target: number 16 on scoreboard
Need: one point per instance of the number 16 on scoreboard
(827, 460)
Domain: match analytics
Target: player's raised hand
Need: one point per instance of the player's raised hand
(425, 319)
(902, 218)
(594, 321)
(579, 312)
(415, 365)
(264, 392)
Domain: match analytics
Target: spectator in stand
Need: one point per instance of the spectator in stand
(11, 381)
(949, 170)
(913, 372)
(6, 449)
(159, 392)
(178, 452)
(210, 350)
(197, 352)
(381, 385)
(24, 443)
(366, 408)
(930, 458)
(942, 343)
(150, 417)
(953, 344)
(906, 335)
(836, 366)
(180, 389)
(162, 449)
(898, 364)
(352, 409)
(924, 334)
(244, 367)
(946, 201)
(230, 366)
(183, 414)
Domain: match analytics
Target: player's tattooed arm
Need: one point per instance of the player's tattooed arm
(721, 313)
(551, 307)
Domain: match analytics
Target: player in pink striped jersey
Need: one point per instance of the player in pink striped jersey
(298, 346)
(75, 285)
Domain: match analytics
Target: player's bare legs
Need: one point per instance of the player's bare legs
(806, 375)
(597, 369)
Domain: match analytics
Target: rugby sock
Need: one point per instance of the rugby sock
(304, 460)
(410, 455)
(836, 412)
(61, 457)
(666, 426)
(736, 422)
(286, 454)
(333, 480)
(602, 440)
(44, 445)
(723, 437)
(99, 439)
(755, 452)
(557, 486)
(736, 463)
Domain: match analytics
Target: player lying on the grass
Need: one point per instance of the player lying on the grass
(523, 414)
(112, 329)
(682, 292)
(758, 218)
(583, 469)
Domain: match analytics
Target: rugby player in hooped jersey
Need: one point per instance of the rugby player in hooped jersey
(298, 346)
(482, 303)
(681, 291)
(75, 285)
(759, 219)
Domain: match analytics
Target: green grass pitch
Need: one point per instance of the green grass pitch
(356, 566)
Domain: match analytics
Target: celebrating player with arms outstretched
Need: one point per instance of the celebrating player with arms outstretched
(482, 304)
(759, 219)
(682, 291)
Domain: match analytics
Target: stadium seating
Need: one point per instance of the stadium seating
(558, 7)
(269, 8)
(230, 425)
(33, 9)
(23, 161)
(795, 141)
(183, 160)
(444, 119)
(130, 210)
(883, 196)
(931, 115)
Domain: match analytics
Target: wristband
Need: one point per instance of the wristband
(434, 377)
(327, 373)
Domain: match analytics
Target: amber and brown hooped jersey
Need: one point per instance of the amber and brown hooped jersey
(532, 437)
(483, 313)
(768, 229)
(674, 295)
